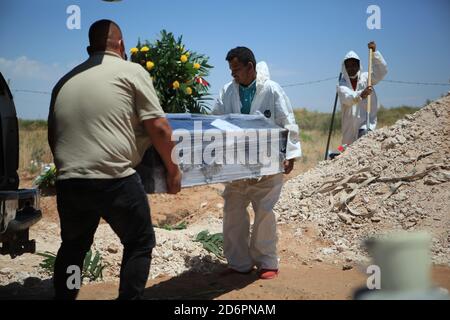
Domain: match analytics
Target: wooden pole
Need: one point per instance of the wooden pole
(369, 83)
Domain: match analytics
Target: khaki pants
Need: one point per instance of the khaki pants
(242, 249)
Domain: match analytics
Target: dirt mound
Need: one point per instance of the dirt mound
(395, 178)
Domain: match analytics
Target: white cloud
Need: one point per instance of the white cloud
(29, 74)
(24, 68)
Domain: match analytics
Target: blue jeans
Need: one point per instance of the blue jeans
(123, 204)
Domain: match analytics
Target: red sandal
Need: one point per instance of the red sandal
(267, 274)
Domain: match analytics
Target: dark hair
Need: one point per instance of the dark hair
(243, 54)
(99, 32)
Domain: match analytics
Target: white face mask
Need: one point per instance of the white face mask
(355, 76)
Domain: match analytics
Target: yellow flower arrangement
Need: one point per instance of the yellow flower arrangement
(173, 66)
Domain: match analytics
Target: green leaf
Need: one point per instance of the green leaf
(95, 261)
(87, 261)
(212, 243)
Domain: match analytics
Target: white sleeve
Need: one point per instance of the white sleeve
(347, 96)
(284, 117)
(379, 68)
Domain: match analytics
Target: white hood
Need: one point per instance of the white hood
(263, 73)
(350, 55)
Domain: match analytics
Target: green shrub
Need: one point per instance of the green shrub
(388, 116)
(320, 121)
(32, 124)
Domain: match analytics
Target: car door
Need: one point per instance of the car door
(9, 139)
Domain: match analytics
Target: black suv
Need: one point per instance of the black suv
(19, 208)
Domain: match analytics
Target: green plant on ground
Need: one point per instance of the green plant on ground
(180, 226)
(47, 178)
(93, 265)
(177, 73)
(48, 263)
(211, 242)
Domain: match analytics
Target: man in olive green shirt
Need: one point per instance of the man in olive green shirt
(103, 115)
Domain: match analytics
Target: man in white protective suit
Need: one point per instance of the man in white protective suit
(353, 91)
(252, 92)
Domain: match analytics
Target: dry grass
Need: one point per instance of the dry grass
(33, 150)
(314, 144)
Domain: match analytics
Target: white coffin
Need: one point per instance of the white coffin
(214, 149)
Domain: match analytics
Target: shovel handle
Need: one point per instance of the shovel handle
(369, 83)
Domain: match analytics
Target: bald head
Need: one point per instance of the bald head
(105, 35)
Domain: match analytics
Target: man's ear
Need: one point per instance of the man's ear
(122, 48)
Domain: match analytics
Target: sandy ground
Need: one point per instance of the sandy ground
(301, 277)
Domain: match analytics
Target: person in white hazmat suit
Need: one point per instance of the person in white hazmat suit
(353, 91)
(251, 92)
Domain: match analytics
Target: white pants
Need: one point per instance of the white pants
(242, 250)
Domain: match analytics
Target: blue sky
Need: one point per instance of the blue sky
(300, 40)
